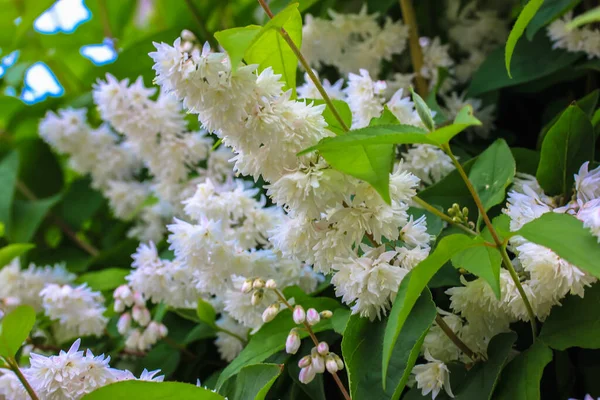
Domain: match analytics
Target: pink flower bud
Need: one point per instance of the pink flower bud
(312, 316)
(323, 348)
(318, 363)
(304, 362)
(141, 315)
(307, 375)
(271, 284)
(124, 323)
(124, 294)
(270, 313)
(138, 299)
(292, 343)
(247, 286)
(338, 360)
(119, 306)
(299, 315)
(331, 364)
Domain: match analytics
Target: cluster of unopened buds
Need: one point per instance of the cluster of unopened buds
(320, 358)
(147, 332)
(460, 216)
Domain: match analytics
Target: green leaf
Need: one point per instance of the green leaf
(464, 119)
(491, 174)
(206, 313)
(332, 123)
(423, 111)
(27, 217)
(482, 261)
(126, 390)
(481, 380)
(236, 41)
(362, 346)
(8, 253)
(80, 203)
(567, 237)
(14, 330)
(526, 160)
(412, 286)
(523, 20)
(253, 382)
(530, 61)
(548, 12)
(270, 339)
(575, 323)
(568, 144)
(587, 17)
(9, 168)
(105, 279)
(162, 357)
(269, 49)
(9, 106)
(521, 377)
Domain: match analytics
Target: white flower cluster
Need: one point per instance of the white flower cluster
(136, 324)
(350, 41)
(67, 376)
(584, 38)
(78, 310)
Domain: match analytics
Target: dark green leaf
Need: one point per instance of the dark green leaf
(27, 217)
(15, 328)
(9, 168)
(80, 203)
(482, 261)
(521, 377)
(8, 253)
(526, 160)
(161, 356)
(362, 347)
(206, 313)
(548, 12)
(575, 323)
(253, 382)
(568, 144)
(523, 20)
(127, 390)
(106, 279)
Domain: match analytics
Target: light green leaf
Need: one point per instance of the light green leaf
(482, 261)
(127, 390)
(548, 12)
(491, 174)
(521, 377)
(8, 253)
(412, 286)
(568, 144)
(567, 237)
(332, 123)
(206, 313)
(105, 279)
(587, 17)
(236, 41)
(9, 169)
(362, 346)
(464, 119)
(269, 49)
(423, 111)
(14, 330)
(253, 382)
(575, 323)
(523, 20)
(27, 217)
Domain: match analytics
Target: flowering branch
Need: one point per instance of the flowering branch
(416, 55)
(12, 364)
(307, 68)
(499, 244)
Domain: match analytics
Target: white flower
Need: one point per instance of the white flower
(309, 91)
(525, 207)
(427, 162)
(437, 343)
(432, 377)
(227, 345)
(410, 258)
(10, 386)
(455, 102)
(414, 233)
(365, 98)
(587, 183)
(589, 213)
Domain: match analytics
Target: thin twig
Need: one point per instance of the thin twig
(455, 339)
(416, 55)
(308, 69)
(443, 216)
(15, 368)
(201, 26)
(499, 244)
(67, 230)
(315, 341)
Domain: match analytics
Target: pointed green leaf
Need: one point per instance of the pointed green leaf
(206, 313)
(464, 119)
(523, 20)
(127, 390)
(587, 17)
(482, 261)
(423, 111)
(14, 330)
(236, 41)
(27, 217)
(8, 253)
(105, 279)
(332, 123)
(9, 169)
(548, 12)
(253, 382)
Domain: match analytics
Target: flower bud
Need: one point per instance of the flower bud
(247, 286)
(138, 299)
(304, 362)
(141, 315)
(132, 341)
(317, 362)
(258, 284)
(270, 313)
(312, 316)
(326, 314)
(124, 294)
(187, 35)
(187, 46)
(271, 284)
(331, 365)
(323, 348)
(307, 375)
(299, 315)
(256, 297)
(292, 343)
(124, 323)
(119, 306)
(338, 360)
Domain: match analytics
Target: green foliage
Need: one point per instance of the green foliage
(332, 123)
(362, 347)
(9, 167)
(27, 217)
(105, 279)
(423, 111)
(568, 144)
(253, 382)
(575, 323)
(518, 29)
(126, 390)
(587, 17)
(15, 329)
(521, 377)
(549, 11)
(567, 237)
(8, 253)
(206, 313)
